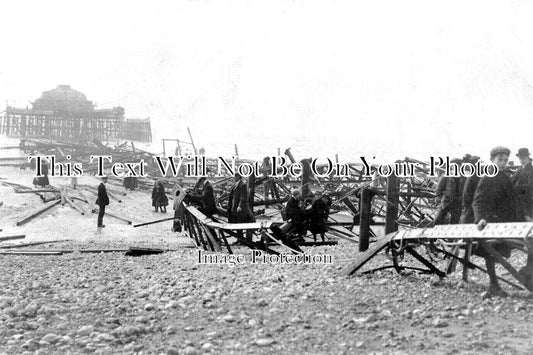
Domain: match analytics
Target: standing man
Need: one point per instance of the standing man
(450, 192)
(523, 183)
(318, 216)
(204, 196)
(469, 191)
(495, 201)
(238, 205)
(239, 210)
(102, 201)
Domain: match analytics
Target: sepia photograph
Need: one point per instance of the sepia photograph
(266, 177)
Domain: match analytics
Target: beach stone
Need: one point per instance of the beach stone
(264, 341)
(85, 330)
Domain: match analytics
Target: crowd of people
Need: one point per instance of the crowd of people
(505, 197)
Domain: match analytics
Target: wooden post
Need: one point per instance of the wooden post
(393, 199)
(192, 142)
(468, 252)
(365, 210)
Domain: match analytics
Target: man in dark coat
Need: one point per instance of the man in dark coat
(318, 216)
(495, 201)
(292, 209)
(159, 197)
(204, 196)
(295, 214)
(238, 205)
(450, 191)
(469, 191)
(239, 210)
(523, 183)
(102, 201)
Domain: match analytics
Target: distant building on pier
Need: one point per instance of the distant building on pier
(66, 114)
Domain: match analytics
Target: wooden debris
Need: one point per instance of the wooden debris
(12, 237)
(71, 203)
(38, 212)
(35, 191)
(32, 244)
(31, 253)
(137, 251)
(154, 222)
(86, 251)
(114, 216)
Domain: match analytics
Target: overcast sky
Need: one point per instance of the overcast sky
(386, 78)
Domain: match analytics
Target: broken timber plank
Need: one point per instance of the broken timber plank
(35, 191)
(64, 251)
(212, 238)
(12, 237)
(281, 243)
(420, 258)
(226, 226)
(515, 230)
(137, 251)
(31, 253)
(38, 212)
(114, 197)
(86, 251)
(71, 204)
(114, 216)
(156, 221)
(364, 257)
(32, 244)
(335, 234)
(344, 231)
(313, 244)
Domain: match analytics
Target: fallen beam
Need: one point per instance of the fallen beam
(344, 231)
(114, 216)
(226, 226)
(12, 237)
(114, 197)
(35, 191)
(38, 212)
(364, 257)
(32, 244)
(64, 251)
(30, 253)
(154, 222)
(340, 236)
(313, 244)
(137, 251)
(516, 230)
(86, 251)
(72, 204)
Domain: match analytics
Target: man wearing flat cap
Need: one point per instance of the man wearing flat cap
(523, 182)
(495, 201)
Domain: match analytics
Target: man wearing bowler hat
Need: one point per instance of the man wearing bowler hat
(523, 182)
